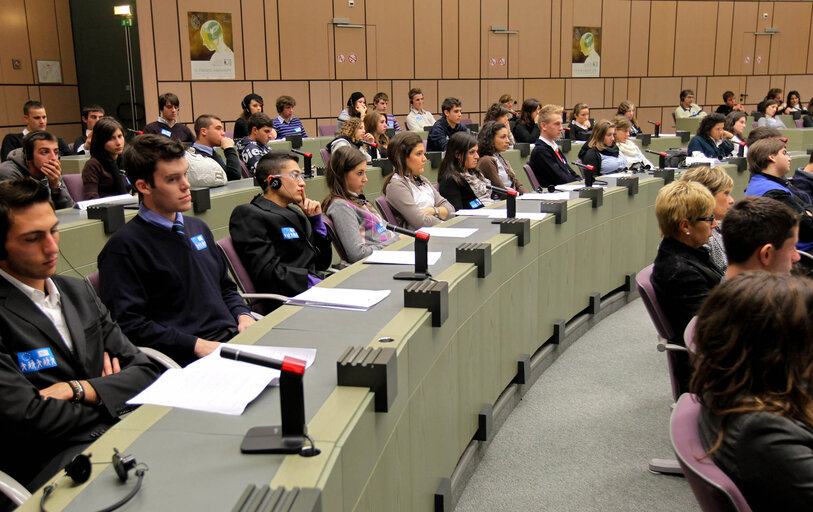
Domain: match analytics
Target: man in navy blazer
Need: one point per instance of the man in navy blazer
(66, 369)
(547, 160)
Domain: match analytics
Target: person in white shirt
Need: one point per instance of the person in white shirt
(418, 117)
(688, 108)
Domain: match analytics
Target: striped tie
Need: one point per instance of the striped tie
(177, 227)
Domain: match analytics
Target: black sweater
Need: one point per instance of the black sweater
(163, 291)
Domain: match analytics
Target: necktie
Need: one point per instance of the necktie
(560, 156)
(177, 228)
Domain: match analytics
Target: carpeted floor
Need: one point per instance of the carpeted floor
(583, 435)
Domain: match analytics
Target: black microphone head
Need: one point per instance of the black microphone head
(390, 226)
(227, 352)
(551, 188)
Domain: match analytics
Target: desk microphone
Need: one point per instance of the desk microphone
(589, 177)
(289, 364)
(657, 128)
(307, 162)
(421, 254)
(661, 157)
(137, 132)
(511, 204)
(741, 149)
(369, 144)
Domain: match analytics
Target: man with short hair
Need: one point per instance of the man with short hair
(760, 233)
(380, 102)
(547, 161)
(206, 167)
(446, 126)
(167, 125)
(36, 120)
(280, 236)
(418, 117)
(161, 275)
(39, 159)
(729, 105)
(67, 370)
(769, 162)
(255, 145)
(90, 114)
(762, 132)
(688, 108)
(286, 124)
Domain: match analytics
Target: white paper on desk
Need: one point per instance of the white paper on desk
(214, 384)
(339, 298)
(125, 199)
(449, 232)
(400, 257)
(479, 212)
(550, 196)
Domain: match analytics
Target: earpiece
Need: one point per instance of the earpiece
(243, 104)
(274, 182)
(123, 464)
(79, 468)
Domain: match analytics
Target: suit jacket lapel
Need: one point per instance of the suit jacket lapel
(288, 214)
(76, 328)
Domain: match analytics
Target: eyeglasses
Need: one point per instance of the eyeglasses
(294, 176)
(708, 219)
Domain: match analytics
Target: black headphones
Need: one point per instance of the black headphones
(274, 182)
(243, 104)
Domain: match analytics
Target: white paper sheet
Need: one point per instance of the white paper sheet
(125, 199)
(400, 257)
(500, 213)
(479, 212)
(550, 196)
(339, 298)
(449, 232)
(214, 384)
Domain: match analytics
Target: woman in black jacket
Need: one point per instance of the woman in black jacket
(527, 128)
(459, 180)
(712, 140)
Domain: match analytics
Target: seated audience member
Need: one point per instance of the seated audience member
(720, 185)
(760, 234)
(102, 175)
(729, 104)
(581, 128)
(90, 114)
(627, 109)
(255, 144)
(752, 370)
(762, 132)
(206, 167)
(688, 108)
(769, 162)
(38, 158)
(68, 369)
(380, 103)
(280, 236)
(770, 119)
(412, 197)
(36, 120)
(459, 180)
(375, 123)
(161, 275)
(167, 125)
(629, 151)
(683, 273)
(356, 108)
(711, 139)
(735, 124)
(601, 151)
(351, 135)
(359, 228)
(526, 128)
(446, 126)
(510, 104)
(547, 162)
(774, 94)
(794, 103)
(251, 104)
(492, 141)
(497, 112)
(286, 124)
(802, 182)
(418, 117)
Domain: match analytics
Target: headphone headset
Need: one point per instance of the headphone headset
(274, 182)
(243, 104)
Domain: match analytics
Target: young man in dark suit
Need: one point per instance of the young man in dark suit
(66, 369)
(547, 160)
(280, 236)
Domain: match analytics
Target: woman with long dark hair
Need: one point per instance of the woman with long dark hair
(459, 180)
(711, 139)
(527, 127)
(753, 363)
(251, 104)
(102, 175)
(492, 141)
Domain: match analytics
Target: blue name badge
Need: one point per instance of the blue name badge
(36, 360)
(297, 129)
(380, 228)
(199, 242)
(390, 124)
(418, 118)
(289, 233)
(475, 204)
(166, 132)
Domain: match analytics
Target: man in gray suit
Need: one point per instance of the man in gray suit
(66, 369)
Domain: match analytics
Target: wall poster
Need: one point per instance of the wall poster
(210, 45)
(586, 47)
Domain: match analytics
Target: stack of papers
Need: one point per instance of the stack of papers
(125, 199)
(449, 232)
(551, 196)
(214, 384)
(501, 213)
(339, 298)
(400, 257)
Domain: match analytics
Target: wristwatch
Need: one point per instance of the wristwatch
(437, 213)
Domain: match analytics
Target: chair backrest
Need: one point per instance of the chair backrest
(532, 177)
(328, 131)
(244, 169)
(337, 244)
(799, 123)
(73, 182)
(236, 267)
(386, 211)
(688, 334)
(93, 279)
(325, 156)
(647, 292)
(714, 490)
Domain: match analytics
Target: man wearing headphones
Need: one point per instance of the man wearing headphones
(66, 369)
(280, 236)
(161, 275)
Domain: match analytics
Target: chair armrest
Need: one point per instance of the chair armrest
(664, 346)
(272, 296)
(160, 358)
(13, 490)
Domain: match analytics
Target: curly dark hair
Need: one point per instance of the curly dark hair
(708, 122)
(485, 139)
